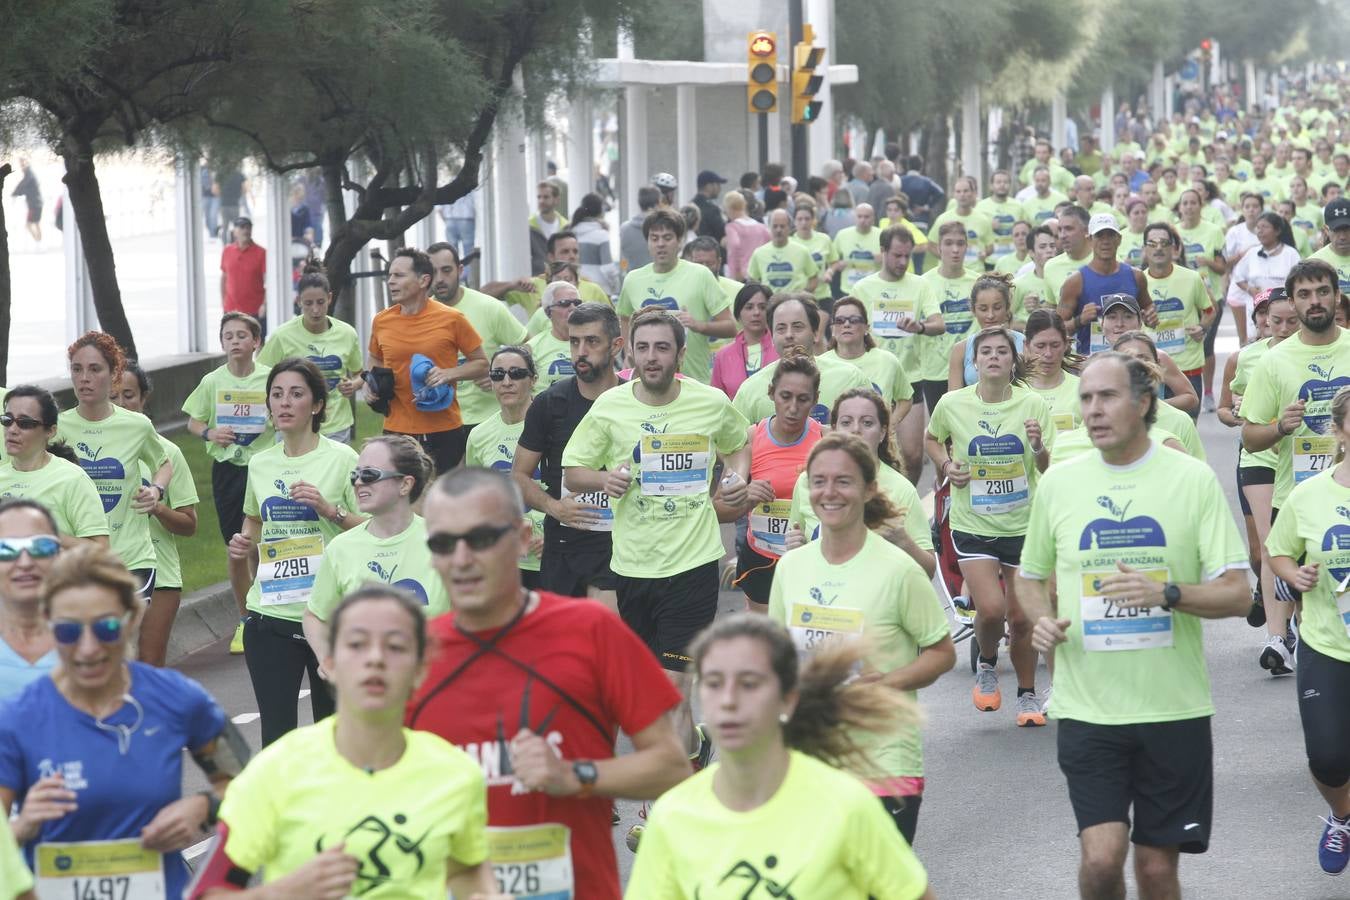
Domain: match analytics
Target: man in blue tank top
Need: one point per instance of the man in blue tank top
(1084, 292)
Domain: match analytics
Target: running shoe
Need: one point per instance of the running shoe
(1333, 851)
(963, 609)
(634, 835)
(1030, 711)
(1210, 406)
(701, 757)
(1256, 616)
(986, 694)
(1275, 657)
(1291, 636)
(237, 642)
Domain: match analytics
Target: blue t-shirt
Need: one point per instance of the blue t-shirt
(16, 673)
(122, 776)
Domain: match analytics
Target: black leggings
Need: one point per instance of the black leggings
(905, 812)
(278, 656)
(1214, 326)
(1324, 707)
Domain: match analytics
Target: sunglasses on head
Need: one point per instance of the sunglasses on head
(443, 543)
(27, 423)
(515, 373)
(39, 546)
(106, 629)
(372, 475)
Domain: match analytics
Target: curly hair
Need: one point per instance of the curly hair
(106, 345)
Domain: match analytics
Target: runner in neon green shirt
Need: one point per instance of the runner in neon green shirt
(14, 874)
(331, 344)
(1000, 435)
(852, 342)
(1202, 243)
(1131, 248)
(1003, 212)
(702, 841)
(818, 244)
(231, 402)
(1011, 263)
(1040, 206)
(299, 497)
(979, 228)
(1076, 252)
(492, 445)
(301, 811)
(688, 290)
(783, 264)
(858, 247)
(550, 349)
(110, 444)
(895, 299)
(948, 304)
(1184, 307)
(1337, 251)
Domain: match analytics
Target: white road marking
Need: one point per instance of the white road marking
(245, 718)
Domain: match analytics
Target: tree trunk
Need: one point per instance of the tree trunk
(337, 260)
(86, 201)
(5, 295)
(935, 150)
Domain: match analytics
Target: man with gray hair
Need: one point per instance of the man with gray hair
(552, 355)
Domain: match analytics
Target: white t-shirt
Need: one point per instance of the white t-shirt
(1260, 270)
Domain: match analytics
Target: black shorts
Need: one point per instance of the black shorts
(1285, 591)
(904, 811)
(1007, 550)
(668, 613)
(931, 391)
(446, 448)
(1251, 476)
(228, 483)
(754, 573)
(568, 570)
(1164, 770)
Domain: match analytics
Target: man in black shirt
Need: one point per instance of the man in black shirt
(710, 222)
(577, 527)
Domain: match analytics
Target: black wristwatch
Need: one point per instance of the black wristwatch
(212, 808)
(1171, 596)
(587, 774)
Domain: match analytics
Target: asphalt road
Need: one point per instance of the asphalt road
(996, 820)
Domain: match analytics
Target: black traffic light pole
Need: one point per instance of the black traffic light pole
(763, 140)
(795, 34)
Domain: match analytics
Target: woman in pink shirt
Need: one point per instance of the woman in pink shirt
(752, 349)
(744, 234)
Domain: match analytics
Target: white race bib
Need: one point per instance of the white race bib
(813, 625)
(243, 411)
(1096, 339)
(675, 465)
(886, 318)
(1109, 627)
(998, 485)
(99, 870)
(532, 861)
(769, 527)
(286, 569)
(1170, 335)
(594, 498)
(1313, 453)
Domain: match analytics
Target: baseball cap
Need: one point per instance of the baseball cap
(1337, 214)
(1103, 222)
(708, 176)
(1111, 301)
(243, 222)
(1265, 298)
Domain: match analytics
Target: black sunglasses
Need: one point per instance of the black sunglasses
(372, 475)
(564, 303)
(516, 373)
(25, 422)
(443, 543)
(849, 320)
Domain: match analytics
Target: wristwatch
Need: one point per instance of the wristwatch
(339, 515)
(1171, 596)
(587, 774)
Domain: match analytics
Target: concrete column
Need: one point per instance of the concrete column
(633, 146)
(80, 314)
(1169, 89)
(272, 229)
(972, 137)
(192, 331)
(993, 125)
(820, 142)
(1058, 113)
(1157, 89)
(509, 249)
(686, 140)
(1108, 119)
(1252, 82)
(580, 149)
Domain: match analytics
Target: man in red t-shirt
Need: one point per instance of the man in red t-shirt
(536, 687)
(243, 274)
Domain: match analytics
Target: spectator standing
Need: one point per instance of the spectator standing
(243, 273)
(633, 252)
(29, 189)
(711, 223)
(597, 260)
(744, 234)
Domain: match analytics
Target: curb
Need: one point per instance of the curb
(204, 617)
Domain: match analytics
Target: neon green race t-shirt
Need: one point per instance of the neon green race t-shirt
(492, 445)
(64, 489)
(357, 557)
(496, 325)
(337, 353)
(1293, 371)
(294, 537)
(823, 253)
(1314, 522)
(1181, 426)
(846, 849)
(991, 439)
(1164, 514)
(241, 403)
(979, 236)
(182, 492)
(1002, 215)
(299, 796)
(836, 376)
(1248, 357)
(1131, 249)
(891, 483)
(1340, 263)
(1180, 300)
(1011, 264)
(1037, 210)
(860, 253)
(888, 377)
(552, 360)
(1065, 410)
(1203, 240)
(951, 298)
(110, 452)
(882, 596)
(786, 268)
(886, 302)
(687, 286)
(14, 874)
(1059, 268)
(670, 452)
(1029, 294)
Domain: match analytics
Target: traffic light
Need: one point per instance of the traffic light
(1206, 49)
(806, 81)
(761, 63)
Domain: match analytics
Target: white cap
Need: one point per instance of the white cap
(1103, 222)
